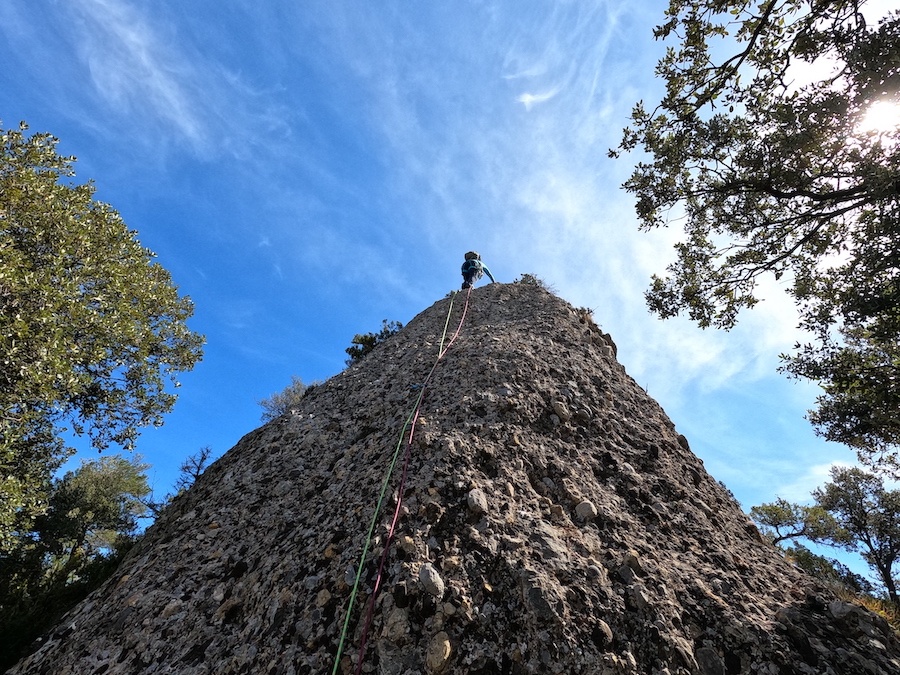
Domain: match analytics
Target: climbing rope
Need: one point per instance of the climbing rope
(410, 424)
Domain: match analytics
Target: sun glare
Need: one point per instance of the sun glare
(881, 116)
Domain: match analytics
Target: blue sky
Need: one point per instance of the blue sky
(305, 170)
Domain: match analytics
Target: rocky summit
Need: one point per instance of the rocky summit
(552, 520)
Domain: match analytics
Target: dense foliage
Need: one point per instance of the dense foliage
(870, 512)
(91, 329)
(770, 171)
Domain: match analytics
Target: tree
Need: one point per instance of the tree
(775, 177)
(192, 468)
(281, 403)
(363, 344)
(855, 512)
(864, 507)
(533, 280)
(91, 329)
(188, 473)
(91, 521)
(90, 510)
(782, 520)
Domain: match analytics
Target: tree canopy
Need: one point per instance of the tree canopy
(91, 508)
(770, 171)
(92, 330)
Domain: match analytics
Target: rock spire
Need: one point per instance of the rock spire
(553, 521)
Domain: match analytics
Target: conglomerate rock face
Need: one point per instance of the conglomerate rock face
(552, 521)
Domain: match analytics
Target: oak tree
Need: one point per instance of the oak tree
(866, 508)
(90, 509)
(782, 520)
(92, 330)
(759, 152)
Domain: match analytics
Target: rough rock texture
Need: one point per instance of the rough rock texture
(554, 521)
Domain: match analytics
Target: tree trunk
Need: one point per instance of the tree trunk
(885, 573)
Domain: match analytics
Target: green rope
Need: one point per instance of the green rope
(384, 487)
(446, 323)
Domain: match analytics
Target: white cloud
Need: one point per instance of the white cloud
(529, 100)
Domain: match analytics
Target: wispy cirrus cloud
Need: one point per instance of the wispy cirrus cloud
(799, 489)
(136, 69)
(131, 72)
(537, 191)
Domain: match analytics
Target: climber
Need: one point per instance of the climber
(473, 268)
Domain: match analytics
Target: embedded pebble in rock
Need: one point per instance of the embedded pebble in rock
(323, 597)
(477, 501)
(396, 625)
(632, 560)
(431, 580)
(602, 633)
(586, 510)
(407, 544)
(597, 574)
(561, 409)
(252, 569)
(439, 650)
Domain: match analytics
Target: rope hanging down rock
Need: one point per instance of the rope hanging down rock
(411, 425)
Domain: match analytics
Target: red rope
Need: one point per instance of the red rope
(370, 611)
